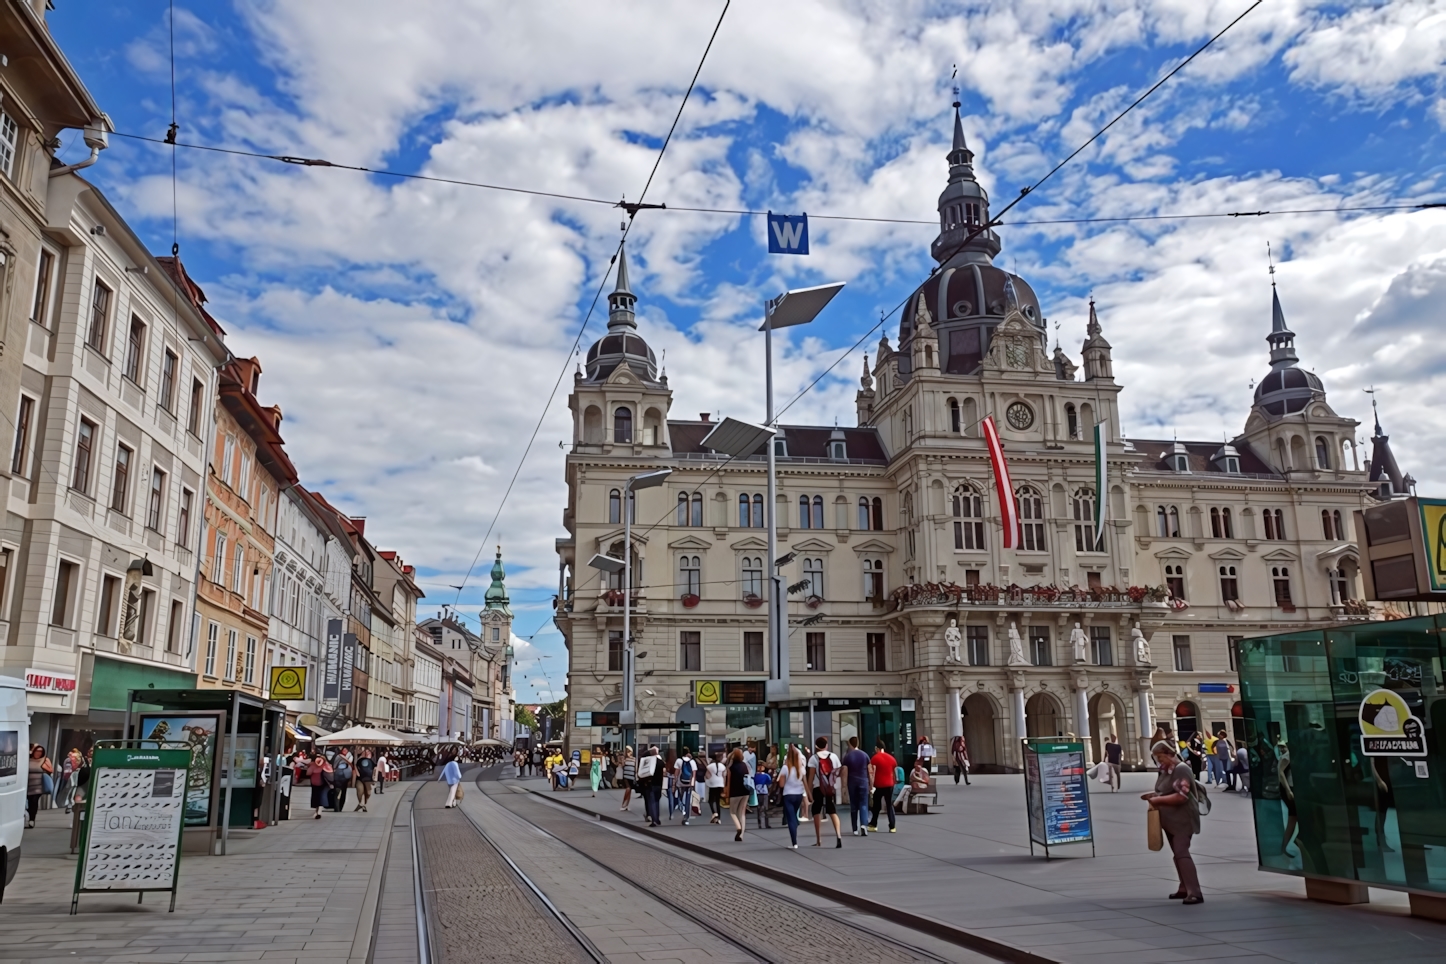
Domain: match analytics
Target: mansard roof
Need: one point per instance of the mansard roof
(801, 441)
(1155, 454)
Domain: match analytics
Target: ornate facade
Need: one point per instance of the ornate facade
(906, 615)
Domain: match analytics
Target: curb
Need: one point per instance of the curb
(927, 925)
(366, 925)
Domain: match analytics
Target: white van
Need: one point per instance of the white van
(14, 762)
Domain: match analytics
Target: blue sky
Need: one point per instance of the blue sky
(411, 331)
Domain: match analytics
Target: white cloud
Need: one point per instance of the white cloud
(1372, 50)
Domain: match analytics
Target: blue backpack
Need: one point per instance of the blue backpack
(685, 772)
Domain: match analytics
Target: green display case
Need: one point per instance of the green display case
(1347, 774)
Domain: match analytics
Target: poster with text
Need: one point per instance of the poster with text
(135, 828)
(1066, 797)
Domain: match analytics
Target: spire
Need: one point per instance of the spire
(1384, 470)
(1281, 338)
(622, 300)
(496, 598)
(867, 381)
(1098, 362)
(963, 206)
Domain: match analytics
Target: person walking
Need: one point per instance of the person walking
(716, 778)
(1241, 767)
(366, 770)
(1225, 759)
(762, 781)
(685, 779)
(39, 781)
(594, 770)
(856, 776)
(881, 777)
(65, 791)
(629, 770)
(342, 776)
(959, 758)
(384, 771)
(452, 773)
(1114, 757)
(823, 772)
(1174, 799)
(650, 783)
(793, 779)
(738, 791)
(925, 754)
(1196, 744)
(319, 775)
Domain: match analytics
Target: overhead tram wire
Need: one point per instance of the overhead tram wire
(632, 211)
(995, 220)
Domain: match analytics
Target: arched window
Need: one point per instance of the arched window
(803, 516)
(1280, 576)
(1229, 585)
(744, 520)
(1274, 524)
(623, 424)
(615, 507)
(690, 575)
(1340, 529)
(1322, 453)
(818, 512)
(615, 579)
(1340, 585)
(1162, 525)
(1175, 581)
(1086, 539)
(863, 512)
(1031, 520)
(968, 519)
(1327, 524)
(1174, 514)
(697, 518)
(878, 509)
(874, 580)
(813, 574)
(1215, 531)
(682, 508)
(1226, 524)
(757, 510)
(1072, 417)
(954, 424)
(752, 576)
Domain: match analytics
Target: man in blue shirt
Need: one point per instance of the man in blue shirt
(856, 767)
(452, 773)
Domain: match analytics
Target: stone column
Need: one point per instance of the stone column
(1016, 687)
(1144, 718)
(954, 714)
(1082, 714)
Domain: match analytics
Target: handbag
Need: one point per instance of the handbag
(459, 791)
(47, 784)
(1154, 835)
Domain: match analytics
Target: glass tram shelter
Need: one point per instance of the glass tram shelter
(1346, 734)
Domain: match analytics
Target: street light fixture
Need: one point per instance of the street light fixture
(627, 719)
(796, 307)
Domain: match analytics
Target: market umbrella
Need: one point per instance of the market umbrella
(364, 735)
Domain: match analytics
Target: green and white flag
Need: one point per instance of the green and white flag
(1101, 478)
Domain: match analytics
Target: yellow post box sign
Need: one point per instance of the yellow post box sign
(707, 692)
(288, 682)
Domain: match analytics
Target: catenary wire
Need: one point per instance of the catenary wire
(632, 213)
(1024, 192)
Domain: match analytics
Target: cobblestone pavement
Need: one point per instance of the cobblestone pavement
(477, 908)
(302, 890)
(773, 928)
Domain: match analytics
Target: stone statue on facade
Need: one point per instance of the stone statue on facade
(1016, 647)
(1142, 646)
(952, 638)
(1080, 643)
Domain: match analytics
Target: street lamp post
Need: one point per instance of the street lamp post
(736, 438)
(627, 719)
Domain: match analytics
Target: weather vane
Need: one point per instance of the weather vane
(954, 77)
(1270, 259)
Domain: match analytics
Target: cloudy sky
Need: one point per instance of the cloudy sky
(412, 331)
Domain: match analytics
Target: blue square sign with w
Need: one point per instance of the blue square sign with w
(787, 233)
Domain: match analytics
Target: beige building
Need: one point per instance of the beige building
(892, 535)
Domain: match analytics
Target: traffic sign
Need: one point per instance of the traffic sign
(787, 233)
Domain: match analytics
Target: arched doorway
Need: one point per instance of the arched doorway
(981, 731)
(1107, 715)
(1187, 720)
(1043, 716)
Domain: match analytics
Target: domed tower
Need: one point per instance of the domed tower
(966, 298)
(1291, 425)
(620, 398)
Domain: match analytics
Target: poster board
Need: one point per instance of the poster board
(1056, 793)
(135, 815)
(199, 731)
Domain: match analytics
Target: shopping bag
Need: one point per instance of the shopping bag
(1154, 834)
(459, 791)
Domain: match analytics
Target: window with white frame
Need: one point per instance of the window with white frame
(230, 668)
(874, 580)
(1086, 538)
(813, 575)
(1031, 520)
(690, 575)
(968, 519)
(213, 638)
(752, 577)
(9, 141)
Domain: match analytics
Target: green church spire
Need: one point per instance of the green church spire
(496, 597)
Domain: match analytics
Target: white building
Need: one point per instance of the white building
(299, 605)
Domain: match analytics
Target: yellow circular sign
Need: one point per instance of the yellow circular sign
(708, 691)
(287, 680)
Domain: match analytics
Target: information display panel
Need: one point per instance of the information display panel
(1056, 793)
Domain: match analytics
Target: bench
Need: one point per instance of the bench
(919, 803)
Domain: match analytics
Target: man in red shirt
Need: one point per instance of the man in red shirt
(881, 777)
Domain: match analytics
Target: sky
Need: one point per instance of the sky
(412, 331)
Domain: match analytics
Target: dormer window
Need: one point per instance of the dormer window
(837, 451)
(1180, 463)
(780, 448)
(1232, 464)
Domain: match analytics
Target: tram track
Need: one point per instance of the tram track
(762, 924)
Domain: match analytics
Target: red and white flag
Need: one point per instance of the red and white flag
(1009, 511)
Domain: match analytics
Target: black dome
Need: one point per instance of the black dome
(612, 350)
(1286, 391)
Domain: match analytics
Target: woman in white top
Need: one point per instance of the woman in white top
(717, 776)
(792, 777)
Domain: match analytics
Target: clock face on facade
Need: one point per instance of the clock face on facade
(1019, 416)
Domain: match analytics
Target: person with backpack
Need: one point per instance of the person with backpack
(761, 783)
(684, 779)
(823, 768)
(1176, 797)
(341, 778)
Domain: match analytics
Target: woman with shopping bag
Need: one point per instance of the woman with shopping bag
(1174, 814)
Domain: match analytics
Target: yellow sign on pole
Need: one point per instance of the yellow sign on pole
(1433, 532)
(707, 692)
(288, 682)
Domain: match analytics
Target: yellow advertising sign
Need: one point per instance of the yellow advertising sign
(288, 682)
(707, 692)
(1433, 533)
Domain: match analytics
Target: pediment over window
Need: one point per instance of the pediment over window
(1280, 555)
(1227, 554)
(689, 542)
(812, 545)
(1174, 552)
(872, 547)
(749, 544)
(616, 535)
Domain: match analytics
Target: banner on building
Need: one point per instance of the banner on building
(331, 681)
(348, 662)
(1008, 510)
(1101, 480)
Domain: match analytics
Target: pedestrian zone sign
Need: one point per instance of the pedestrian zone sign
(288, 682)
(787, 233)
